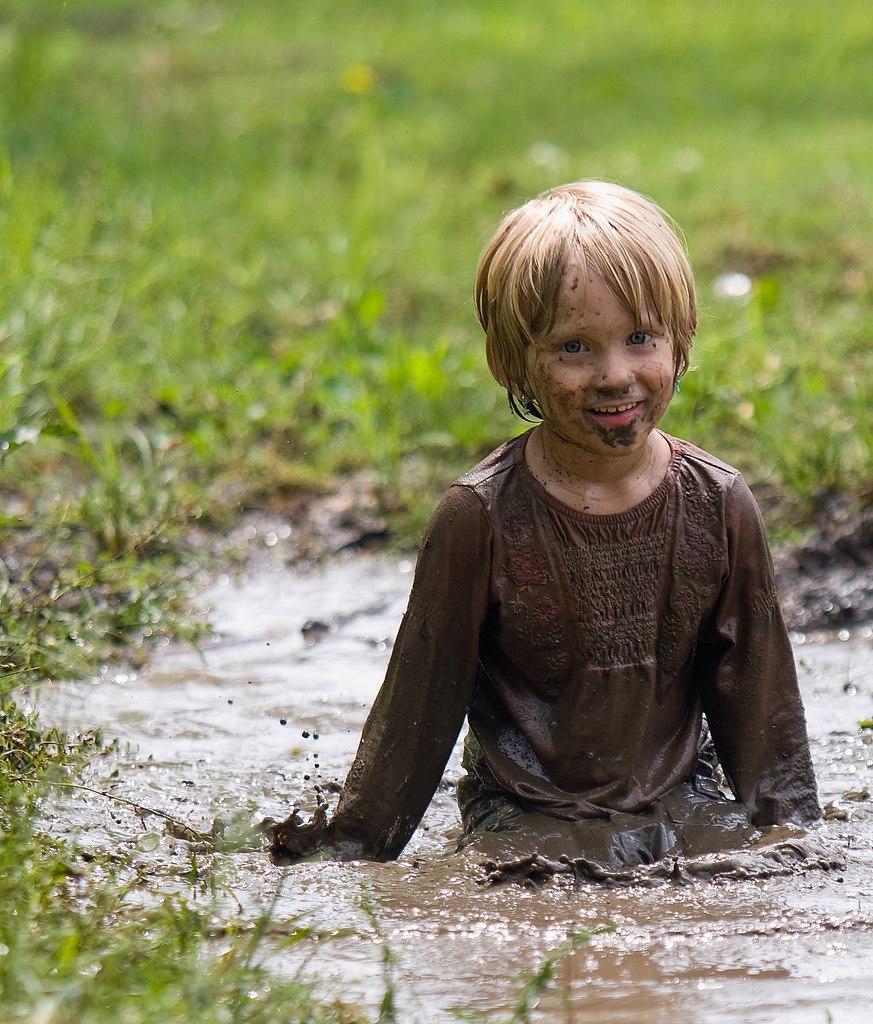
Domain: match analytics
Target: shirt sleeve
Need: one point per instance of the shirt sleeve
(417, 715)
(745, 667)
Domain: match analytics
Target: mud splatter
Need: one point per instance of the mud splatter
(786, 858)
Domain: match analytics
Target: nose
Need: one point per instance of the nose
(614, 372)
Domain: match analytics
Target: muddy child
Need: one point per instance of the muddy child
(596, 597)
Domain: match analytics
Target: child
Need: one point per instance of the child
(588, 592)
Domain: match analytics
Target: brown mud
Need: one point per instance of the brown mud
(826, 582)
(212, 741)
(769, 859)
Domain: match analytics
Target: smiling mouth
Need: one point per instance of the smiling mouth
(612, 410)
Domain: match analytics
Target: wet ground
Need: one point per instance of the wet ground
(246, 727)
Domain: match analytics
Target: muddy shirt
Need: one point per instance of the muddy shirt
(584, 650)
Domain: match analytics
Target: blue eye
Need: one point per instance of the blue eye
(639, 338)
(573, 346)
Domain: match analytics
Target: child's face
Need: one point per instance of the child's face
(601, 383)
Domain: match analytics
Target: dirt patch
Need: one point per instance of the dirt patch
(826, 582)
(299, 531)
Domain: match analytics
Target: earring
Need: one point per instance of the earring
(678, 388)
(522, 406)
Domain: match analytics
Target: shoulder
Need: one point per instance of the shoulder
(711, 473)
(458, 538)
(496, 465)
(717, 492)
(465, 511)
(714, 491)
(703, 462)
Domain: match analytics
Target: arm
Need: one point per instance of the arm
(748, 681)
(417, 715)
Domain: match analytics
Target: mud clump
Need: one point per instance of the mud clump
(827, 581)
(303, 528)
(785, 858)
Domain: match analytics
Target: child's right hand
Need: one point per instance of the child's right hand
(294, 840)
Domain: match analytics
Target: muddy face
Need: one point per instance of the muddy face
(601, 380)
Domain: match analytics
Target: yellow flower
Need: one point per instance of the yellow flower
(358, 78)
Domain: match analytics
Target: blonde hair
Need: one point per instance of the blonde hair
(602, 228)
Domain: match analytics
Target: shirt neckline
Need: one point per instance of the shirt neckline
(638, 511)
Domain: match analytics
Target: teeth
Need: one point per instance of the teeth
(615, 408)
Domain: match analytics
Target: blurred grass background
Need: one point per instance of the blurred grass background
(237, 245)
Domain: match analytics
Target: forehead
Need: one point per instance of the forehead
(583, 295)
(583, 298)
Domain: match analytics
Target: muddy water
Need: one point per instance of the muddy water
(243, 729)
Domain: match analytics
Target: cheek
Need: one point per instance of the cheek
(662, 383)
(549, 390)
(659, 369)
(667, 358)
(665, 376)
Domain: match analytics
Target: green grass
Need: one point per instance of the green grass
(244, 234)
(77, 948)
(236, 250)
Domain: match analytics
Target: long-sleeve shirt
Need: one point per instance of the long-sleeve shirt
(584, 650)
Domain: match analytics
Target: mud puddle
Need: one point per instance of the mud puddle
(246, 727)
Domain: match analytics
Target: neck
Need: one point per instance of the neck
(591, 482)
(573, 462)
